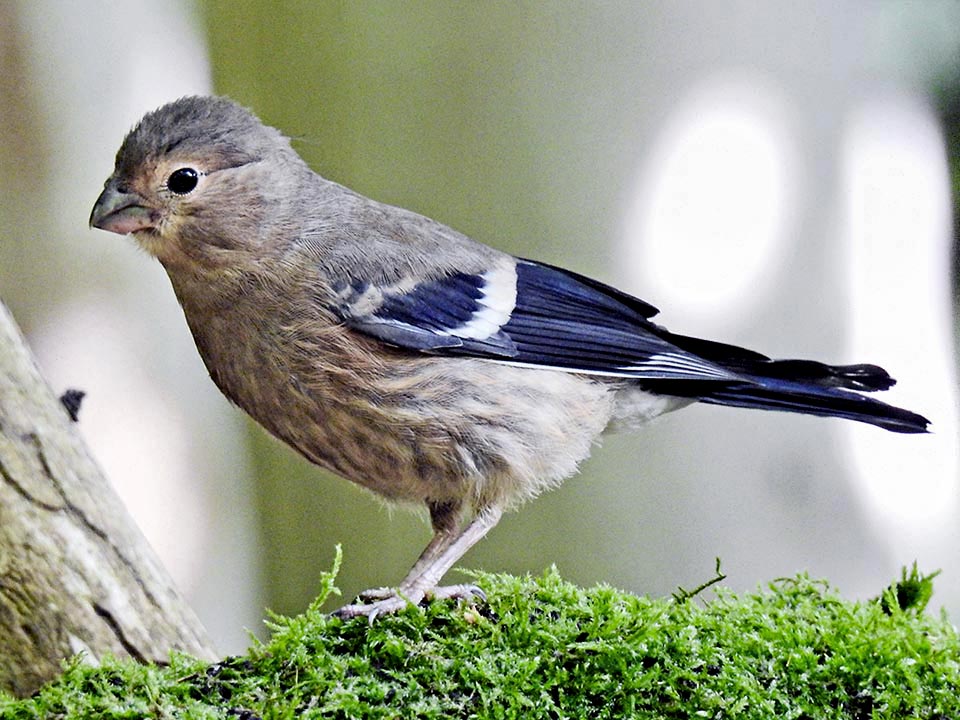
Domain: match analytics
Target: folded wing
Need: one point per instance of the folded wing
(529, 313)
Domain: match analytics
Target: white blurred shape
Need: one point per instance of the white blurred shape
(714, 197)
(135, 69)
(897, 218)
(93, 79)
(131, 427)
(95, 68)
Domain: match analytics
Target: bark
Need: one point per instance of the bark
(76, 574)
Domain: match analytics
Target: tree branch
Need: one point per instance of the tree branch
(76, 574)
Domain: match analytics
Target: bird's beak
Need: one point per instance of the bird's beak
(121, 212)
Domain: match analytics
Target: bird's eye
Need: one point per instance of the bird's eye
(183, 181)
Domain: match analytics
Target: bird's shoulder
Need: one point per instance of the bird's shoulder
(355, 240)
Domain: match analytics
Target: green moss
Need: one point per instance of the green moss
(542, 648)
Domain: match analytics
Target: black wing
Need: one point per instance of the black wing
(538, 315)
(531, 314)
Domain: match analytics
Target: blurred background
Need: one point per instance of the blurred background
(775, 175)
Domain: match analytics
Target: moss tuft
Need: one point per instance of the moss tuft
(543, 648)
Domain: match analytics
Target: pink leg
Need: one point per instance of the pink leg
(449, 543)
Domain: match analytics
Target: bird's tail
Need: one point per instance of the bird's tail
(802, 386)
(792, 396)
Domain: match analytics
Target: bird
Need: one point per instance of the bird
(422, 365)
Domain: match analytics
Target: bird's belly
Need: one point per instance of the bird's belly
(437, 429)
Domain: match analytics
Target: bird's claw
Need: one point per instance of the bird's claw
(465, 592)
(371, 610)
(386, 601)
(380, 593)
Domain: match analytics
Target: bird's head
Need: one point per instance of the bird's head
(198, 180)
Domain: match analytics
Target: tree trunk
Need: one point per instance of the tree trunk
(76, 574)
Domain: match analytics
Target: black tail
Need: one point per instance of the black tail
(813, 400)
(802, 386)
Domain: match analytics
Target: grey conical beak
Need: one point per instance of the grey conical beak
(121, 212)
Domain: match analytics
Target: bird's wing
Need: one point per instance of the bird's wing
(528, 313)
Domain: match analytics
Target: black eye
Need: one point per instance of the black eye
(183, 181)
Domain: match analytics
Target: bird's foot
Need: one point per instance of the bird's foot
(380, 593)
(465, 593)
(385, 605)
(384, 601)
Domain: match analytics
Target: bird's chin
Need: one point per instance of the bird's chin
(149, 240)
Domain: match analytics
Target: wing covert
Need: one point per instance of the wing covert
(526, 313)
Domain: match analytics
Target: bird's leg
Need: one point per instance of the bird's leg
(446, 519)
(447, 522)
(450, 541)
(428, 571)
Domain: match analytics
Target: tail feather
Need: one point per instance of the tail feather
(802, 386)
(826, 402)
(862, 377)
